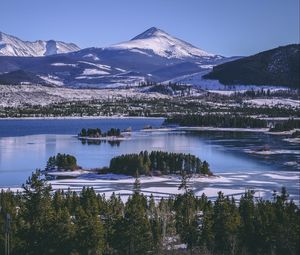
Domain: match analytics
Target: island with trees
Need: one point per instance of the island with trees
(62, 162)
(98, 134)
(158, 162)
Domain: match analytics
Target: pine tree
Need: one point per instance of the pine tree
(89, 233)
(184, 185)
(37, 213)
(226, 224)
(133, 233)
(62, 233)
(137, 185)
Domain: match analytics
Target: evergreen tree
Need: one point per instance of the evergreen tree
(37, 213)
(225, 226)
(89, 236)
(134, 231)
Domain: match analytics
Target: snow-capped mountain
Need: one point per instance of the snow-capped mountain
(13, 46)
(156, 41)
(153, 55)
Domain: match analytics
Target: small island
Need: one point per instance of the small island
(112, 134)
(158, 163)
(62, 162)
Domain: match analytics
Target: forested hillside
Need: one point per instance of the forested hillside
(279, 66)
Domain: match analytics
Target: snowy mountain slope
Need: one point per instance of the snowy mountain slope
(153, 55)
(156, 41)
(13, 46)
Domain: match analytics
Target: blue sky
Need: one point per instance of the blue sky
(227, 27)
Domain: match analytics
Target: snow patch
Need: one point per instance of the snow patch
(274, 102)
(94, 72)
(63, 64)
(282, 177)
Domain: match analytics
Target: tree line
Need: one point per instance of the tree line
(287, 125)
(65, 223)
(216, 120)
(158, 162)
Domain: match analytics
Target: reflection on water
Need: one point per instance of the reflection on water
(99, 142)
(225, 152)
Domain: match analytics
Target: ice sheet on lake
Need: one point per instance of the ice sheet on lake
(262, 183)
(231, 184)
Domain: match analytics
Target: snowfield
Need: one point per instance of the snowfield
(231, 184)
(62, 64)
(18, 95)
(51, 79)
(94, 72)
(274, 102)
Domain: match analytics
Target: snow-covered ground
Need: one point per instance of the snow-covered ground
(231, 184)
(18, 95)
(51, 79)
(274, 102)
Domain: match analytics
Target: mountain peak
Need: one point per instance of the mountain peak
(158, 42)
(153, 31)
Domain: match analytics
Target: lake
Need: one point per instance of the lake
(27, 144)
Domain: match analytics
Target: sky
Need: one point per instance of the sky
(226, 27)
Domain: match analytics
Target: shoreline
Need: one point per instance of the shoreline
(180, 128)
(191, 128)
(80, 118)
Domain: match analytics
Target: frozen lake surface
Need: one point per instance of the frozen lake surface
(27, 144)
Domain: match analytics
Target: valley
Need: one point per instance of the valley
(22, 101)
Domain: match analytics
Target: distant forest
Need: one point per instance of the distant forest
(39, 221)
(286, 125)
(216, 120)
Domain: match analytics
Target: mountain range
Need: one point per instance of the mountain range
(153, 55)
(13, 46)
